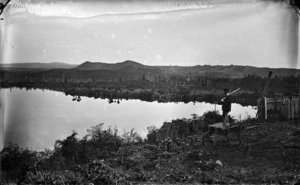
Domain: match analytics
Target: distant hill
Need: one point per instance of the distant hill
(117, 66)
(53, 65)
(232, 71)
(134, 70)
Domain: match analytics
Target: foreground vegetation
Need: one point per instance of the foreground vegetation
(172, 154)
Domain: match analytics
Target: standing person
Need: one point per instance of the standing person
(226, 108)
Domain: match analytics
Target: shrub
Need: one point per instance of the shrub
(16, 162)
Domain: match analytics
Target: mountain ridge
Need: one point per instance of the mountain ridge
(227, 71)
(101, 65)
(135, 68)
(35, 65)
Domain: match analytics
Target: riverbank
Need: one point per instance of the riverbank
(131, 80)
(269, 154)
(146, 92)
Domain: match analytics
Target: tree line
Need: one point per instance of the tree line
(173, 88)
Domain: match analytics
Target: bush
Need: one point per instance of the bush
(211, 117)
(16, 162)
(152, 136)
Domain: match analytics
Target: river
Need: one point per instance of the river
(36, 118)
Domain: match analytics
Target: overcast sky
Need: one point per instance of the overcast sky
(256, 33)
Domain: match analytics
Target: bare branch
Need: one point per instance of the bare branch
(2, 6)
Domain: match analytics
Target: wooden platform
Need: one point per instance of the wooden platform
(218, 130)
(217, 125)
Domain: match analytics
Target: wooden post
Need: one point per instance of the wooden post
(259, 108)
(298, 111)
(282, 107)
(266, 107)
(296, 108)
(293, 108)
(289, 108)
(286, 109)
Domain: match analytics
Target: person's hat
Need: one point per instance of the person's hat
(226, 90)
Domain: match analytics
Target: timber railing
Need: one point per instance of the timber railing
(287, 107)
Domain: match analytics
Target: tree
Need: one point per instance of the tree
(68, 147)
(132, 137)
(152, 135)
(103, 142)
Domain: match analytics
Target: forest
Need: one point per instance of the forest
(173, 88)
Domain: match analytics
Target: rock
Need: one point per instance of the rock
(218, 162)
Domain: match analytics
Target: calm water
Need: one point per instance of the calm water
(36, 118)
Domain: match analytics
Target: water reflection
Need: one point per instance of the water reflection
(36, 118)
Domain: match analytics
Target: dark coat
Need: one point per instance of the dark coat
(226, 104)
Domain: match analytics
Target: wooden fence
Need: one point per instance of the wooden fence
(287, 107)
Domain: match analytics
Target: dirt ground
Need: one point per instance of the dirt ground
(270, 154)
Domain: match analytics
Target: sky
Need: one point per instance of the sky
(152, 32)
